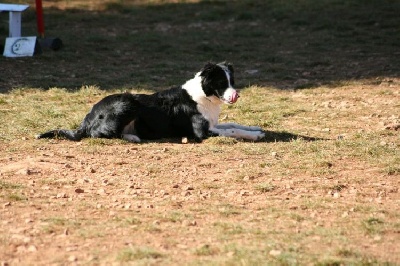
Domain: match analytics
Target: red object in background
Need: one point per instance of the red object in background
(52, 43)
(39, 18)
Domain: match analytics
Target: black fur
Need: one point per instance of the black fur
(166, 114)
(216, 82)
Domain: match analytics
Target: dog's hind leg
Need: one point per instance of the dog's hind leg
(129, 133)
(131, 138)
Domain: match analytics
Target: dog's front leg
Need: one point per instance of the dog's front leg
(238, 126)
(237, 131)
(200, 128)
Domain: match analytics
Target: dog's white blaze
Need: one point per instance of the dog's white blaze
(230, 95)
(209, 107)
(225, 69)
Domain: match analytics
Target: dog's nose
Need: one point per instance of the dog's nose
(234, 97)
(230, 96)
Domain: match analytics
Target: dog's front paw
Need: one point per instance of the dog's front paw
(260, 135)
(255, 135)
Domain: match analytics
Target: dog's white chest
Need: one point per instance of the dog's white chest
(210, 111)
(209, 107)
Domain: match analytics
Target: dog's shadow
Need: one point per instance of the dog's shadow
(270, 136)
(283, 136)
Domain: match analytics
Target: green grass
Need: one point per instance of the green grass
(138, 254)
(10, 191)
(265, 187)
(8, 185)
(16, 197)
(292, 44)
(206, 250)
(228, 210)
(373, 225)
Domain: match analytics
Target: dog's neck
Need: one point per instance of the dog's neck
(209, 107)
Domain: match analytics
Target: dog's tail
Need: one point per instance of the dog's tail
(75, 135)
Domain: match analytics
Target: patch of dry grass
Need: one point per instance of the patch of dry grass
(322, 182)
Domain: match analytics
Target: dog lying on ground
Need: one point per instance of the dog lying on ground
(190, 110)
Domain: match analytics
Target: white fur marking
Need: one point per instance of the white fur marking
(230, 95)
(209, 107)
(225, 69)
(237, 131)
(234, 125)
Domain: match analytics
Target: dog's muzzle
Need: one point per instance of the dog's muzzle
(230, 96)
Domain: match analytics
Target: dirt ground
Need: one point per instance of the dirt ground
(82, 209)
(325, 201)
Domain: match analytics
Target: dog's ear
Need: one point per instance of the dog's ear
(207, 73)
(230, 68)
(207, 68)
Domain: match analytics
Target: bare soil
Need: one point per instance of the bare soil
(288, 199)
(80, 208)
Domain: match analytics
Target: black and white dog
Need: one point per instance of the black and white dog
(191, 110)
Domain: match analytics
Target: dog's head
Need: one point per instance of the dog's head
(217, 81)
